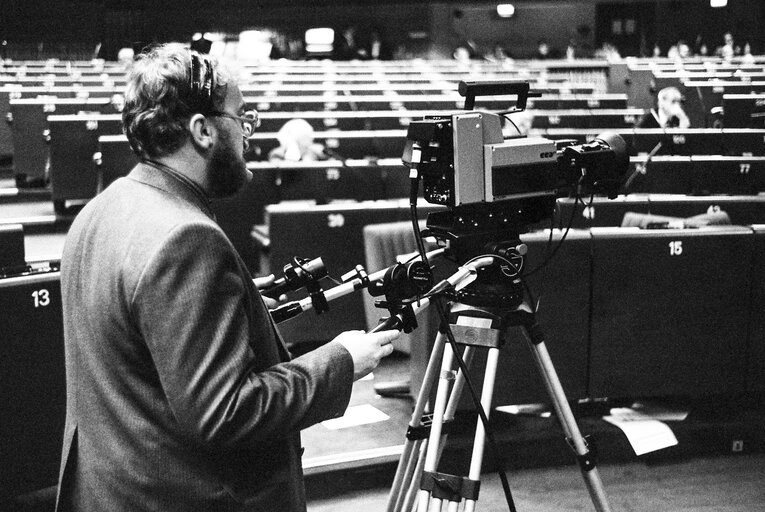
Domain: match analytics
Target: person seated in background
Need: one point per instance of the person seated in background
(117, 102)
(125, 57)
(700, 47)
(518, 124)
(747, 58)
(679, 51)
(728, 49)
(462, 54)
(609, 52)
(668, 113)
(543, 50)
(296, 143)
(372, 45)
(498, 54)
(346, 45)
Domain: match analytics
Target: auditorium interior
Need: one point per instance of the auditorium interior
(632, 332)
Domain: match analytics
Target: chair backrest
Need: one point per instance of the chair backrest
(383, 243)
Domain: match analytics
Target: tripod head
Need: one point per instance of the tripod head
(493, 229)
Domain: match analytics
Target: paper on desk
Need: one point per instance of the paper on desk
(539, 410)
(658, 411)
(356, 415)
(644, 433)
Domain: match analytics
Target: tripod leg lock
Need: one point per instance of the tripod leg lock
(535, 333)
(422, 431)
(587, 460)
(450, 487)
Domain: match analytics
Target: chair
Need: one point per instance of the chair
(383, 243)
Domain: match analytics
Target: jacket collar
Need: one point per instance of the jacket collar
(171, 181)
(157, 175)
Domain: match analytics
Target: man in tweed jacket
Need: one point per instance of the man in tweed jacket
(181, 394)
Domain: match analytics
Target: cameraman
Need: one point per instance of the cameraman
(668, 113)
(181, 394)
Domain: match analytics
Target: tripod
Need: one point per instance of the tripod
(416, 476)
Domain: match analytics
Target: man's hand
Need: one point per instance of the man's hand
(265, 282)
(367, 349)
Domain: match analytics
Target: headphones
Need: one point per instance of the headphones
(202, 82)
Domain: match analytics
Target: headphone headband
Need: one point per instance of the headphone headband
(202, 78)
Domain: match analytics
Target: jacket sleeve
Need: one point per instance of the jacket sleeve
(216, 351)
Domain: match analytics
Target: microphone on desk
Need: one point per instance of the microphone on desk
(642, 169)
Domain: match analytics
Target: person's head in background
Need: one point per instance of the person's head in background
(518, 124)
(683, 50)
(125, 57)
(296, 142)
(670, 109)
(461, 54)
(543, 49)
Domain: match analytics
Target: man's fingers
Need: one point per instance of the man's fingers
(386, 337)
(262, 282)
(271, 303)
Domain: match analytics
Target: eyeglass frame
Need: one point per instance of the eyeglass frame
(253, 122)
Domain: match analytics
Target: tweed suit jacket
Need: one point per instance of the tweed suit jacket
(181, 395)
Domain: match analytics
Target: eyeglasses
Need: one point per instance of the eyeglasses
(249, 120)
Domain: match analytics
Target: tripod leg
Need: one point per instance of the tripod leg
(455, 395)
(431, 458)
(566, 418)
(487, 393)
(449, 413)
(411, 463)
(406, 465)
(414, 487)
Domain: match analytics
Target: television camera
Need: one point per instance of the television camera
(495, 187)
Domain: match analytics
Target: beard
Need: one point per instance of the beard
(228, 171)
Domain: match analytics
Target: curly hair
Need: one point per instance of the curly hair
(163, 91)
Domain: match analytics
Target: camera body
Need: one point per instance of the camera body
(495, 187)
(464, 159)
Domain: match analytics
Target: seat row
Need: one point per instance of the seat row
(82, 159)
(26, 129)
(711, 98)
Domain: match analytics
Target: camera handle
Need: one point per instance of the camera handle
(301, 272)
(354, 280)
(472, 88)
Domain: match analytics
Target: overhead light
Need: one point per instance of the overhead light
(718, 3)
(319, 40)
(253, 46)
(506, 10)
